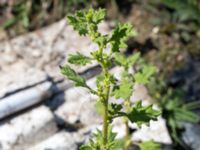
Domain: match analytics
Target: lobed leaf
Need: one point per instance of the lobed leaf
(72, 75)
(79, 59)
(86, 21)
(98, 15)
(144, 76)
(120, 59)
(143, 114)
(133, 59)
(119, 36)
(150, 145)
(97, 141)
(124, 90)
(78, 22)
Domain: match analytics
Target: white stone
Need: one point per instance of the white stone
(60, 141)
(119, 128)
(157, 131)
(79, 106)
(27, 129)
(19, 75)
(140, 93)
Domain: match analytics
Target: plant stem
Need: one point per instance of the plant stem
(106, 98)
(127, 136)
(105, 125)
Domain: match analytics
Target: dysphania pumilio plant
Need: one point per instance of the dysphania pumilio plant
(107, 85)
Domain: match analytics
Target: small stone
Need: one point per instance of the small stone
(157, 131)
(19, 76)
(60, 141)
(79, 106)
(191, 135)
(27, 129)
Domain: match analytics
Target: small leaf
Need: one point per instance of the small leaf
(96, 143)
(142, 114)
(182, 114)
(86, 21)
(99, 15)
(101, 40)
(114, 108)
(85, 147)
(72, 75)
(119, 35)
(119, 144)
(79, 59)
(79, 23)
(124, 91)
(133, 59)
(120, 59)
(150, 145)
(144, 76)
(9, 23)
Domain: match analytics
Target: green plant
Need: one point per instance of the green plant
(173, 108)
(24, 15)
(21, 12)
(184, 9)
(86, 23)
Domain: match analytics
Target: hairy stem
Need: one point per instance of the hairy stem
(105, 124)
(127, 136)
(106, 98)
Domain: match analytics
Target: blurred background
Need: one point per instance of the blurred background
(39, 109)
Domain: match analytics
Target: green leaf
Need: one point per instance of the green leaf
(182, 114)
(8, 23)
(101, 40)
(120, 59)
(119, 36)
(72, 75)
(78, 21)
(142, 114)
(79, 59)
(85, 147)
(114, 108)
(86, 21)
(184, 9)
(133, 59)
(124, 90)
(97, 141)
(150, 145)
(25, 20)
(98, 15)
(119, 144)
(144, 76)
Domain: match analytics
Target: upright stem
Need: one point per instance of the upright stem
(127, 136)
(105, 121)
